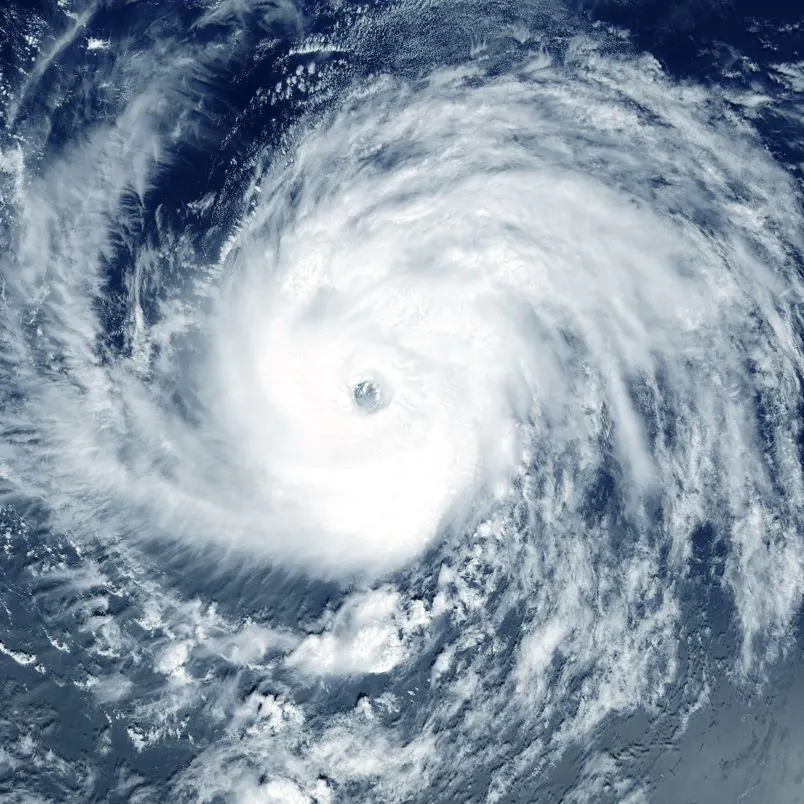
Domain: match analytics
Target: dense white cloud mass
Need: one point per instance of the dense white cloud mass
(494, 344)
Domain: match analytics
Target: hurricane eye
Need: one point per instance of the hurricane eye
(367, 395)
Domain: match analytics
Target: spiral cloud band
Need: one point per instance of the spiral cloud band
(533, 329)
(451, 249)
(469, 252)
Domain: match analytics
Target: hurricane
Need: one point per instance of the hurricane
(394, 397)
